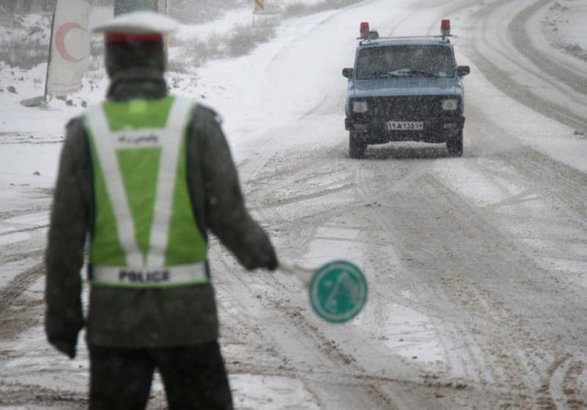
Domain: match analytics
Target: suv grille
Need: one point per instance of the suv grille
(405, 108)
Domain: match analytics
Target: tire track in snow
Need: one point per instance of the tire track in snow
(10, 292)
(475, 365)
(301, 349)
(505, 72)
(297, 245)
(484, 360)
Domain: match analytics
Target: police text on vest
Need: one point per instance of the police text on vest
(142, 276)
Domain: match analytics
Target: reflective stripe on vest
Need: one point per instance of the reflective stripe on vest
(143, 267)
(170, 276)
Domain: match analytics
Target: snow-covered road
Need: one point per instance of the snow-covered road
(477, 266)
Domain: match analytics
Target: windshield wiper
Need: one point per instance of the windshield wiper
(423, 73)
(387, 74)
(379, 74)
(406, 72)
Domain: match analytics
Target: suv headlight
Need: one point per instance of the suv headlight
(450, 104)
(360, 106)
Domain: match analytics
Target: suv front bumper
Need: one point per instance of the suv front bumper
(437, 130)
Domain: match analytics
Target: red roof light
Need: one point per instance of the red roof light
(364, 28)
(445, 27)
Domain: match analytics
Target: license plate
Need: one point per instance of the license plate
(405, 125)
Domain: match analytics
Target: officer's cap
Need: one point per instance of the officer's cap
(135, 26)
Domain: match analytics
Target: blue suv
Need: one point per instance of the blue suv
(405, 89)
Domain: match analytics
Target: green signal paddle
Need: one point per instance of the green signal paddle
(337, 290)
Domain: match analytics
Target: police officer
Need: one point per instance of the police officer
(142, 179)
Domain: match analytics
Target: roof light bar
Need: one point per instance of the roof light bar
(366, 33)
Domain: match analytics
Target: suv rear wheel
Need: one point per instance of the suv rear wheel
(356, 146)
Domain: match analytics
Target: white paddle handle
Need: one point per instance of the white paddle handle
(304, 274)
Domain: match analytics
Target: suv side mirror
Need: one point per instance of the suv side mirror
(347, 72)
(463, 70)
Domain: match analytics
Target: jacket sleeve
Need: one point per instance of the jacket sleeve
(225, 212)
(69, 224)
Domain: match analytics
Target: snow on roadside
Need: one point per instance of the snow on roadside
(564, 24)
(561, 27)
(205, 31)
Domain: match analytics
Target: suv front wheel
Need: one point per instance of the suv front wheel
(455, 145)
(356, 146)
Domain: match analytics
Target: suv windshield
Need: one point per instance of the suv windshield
(405, 61)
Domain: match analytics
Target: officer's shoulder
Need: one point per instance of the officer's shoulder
(206, 115)
(80, 120)
(75, 125)
(76, 128)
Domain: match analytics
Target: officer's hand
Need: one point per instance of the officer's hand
(62, 327)
(65, 344)
(271, 263)
(266, 259)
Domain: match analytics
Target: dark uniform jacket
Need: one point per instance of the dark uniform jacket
(148, 317)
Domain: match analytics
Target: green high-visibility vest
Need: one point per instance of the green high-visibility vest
(145, 232)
